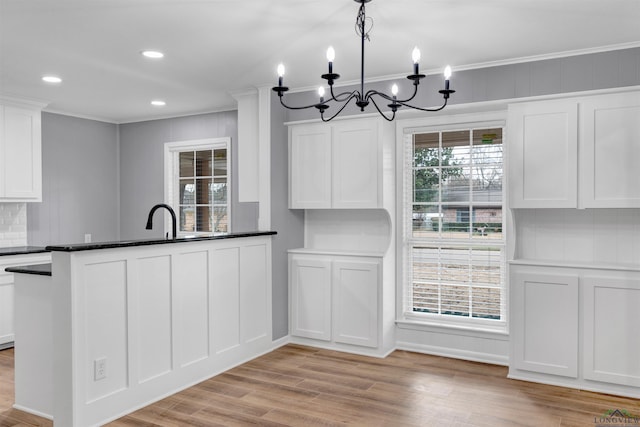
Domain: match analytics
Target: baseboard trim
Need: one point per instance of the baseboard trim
(473, 356)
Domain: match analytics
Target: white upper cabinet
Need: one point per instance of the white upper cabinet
(610, 151)
(335, 165)
(310, 167)
(20, 154)
(543, 138)
(586, 143)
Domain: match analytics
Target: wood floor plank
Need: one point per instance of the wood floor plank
(302, 386)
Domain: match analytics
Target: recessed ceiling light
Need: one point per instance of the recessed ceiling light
(51, 79)
(152, 54)
(158, 103)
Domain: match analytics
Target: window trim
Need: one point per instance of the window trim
(451, 122)
(171, 165)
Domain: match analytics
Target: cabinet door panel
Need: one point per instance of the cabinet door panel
(310, 167)
(543, 139)
(356, 164)
(310, 297)
(21, 154)
(545, 323)
(610, 138)
(611, 319)
(6, 308)
(356, 302)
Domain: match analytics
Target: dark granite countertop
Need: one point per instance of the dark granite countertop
(39, 269)
(148, 242)
(22, 250)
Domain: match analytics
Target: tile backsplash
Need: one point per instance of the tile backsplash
(13, 224)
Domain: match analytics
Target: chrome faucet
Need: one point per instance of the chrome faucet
(173, 218)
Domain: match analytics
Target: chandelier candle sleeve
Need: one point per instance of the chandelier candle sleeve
(361, 98)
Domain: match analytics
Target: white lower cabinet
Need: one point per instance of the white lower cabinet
(310, 297)
(335, 299)
(545, 323)
(7, 291)
(576, 327)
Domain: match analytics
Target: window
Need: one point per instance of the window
(453, 226)
(197, 185)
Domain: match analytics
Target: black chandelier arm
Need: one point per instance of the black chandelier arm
(389, 119)
(431, 110)
(346, 95)
(371, 92)
(353, 95)
(304, 107)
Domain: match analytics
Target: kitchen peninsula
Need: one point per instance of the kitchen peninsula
(132, 322)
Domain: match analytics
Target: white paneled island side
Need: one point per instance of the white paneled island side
(116, 326)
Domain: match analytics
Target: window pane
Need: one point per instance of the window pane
(203, 218)
(202, 189)
(186, 164)
(426, 183)
(187, 218)
(220, 166)
(219, 190)
(456, 137)
(455, 300)
(455, 186)
(486, 303)
(487, 222)
(425, 221)
(203, 163)
(187, 192)
(485, 266)
(220, 219)
(425, 149)
(456, 221)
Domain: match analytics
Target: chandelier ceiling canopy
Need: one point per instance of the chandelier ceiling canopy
(363, 99)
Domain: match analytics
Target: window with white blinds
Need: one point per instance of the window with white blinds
(454, 239)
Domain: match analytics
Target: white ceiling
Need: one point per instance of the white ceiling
(216, 47)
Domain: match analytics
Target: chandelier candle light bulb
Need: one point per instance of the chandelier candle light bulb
(415, 55)
(363, 99)
(447, 76)
(331, 55)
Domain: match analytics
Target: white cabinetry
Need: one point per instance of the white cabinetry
(310, 296)
(7, 291)
(545, 323)
(335, 298)
(335, 165)
(610, 151)
(546, 137)
(20, 153)
(576, 327)
(543, 138)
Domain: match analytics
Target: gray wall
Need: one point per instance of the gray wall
(288, 223)
(142, 168)
(617, 68)
(79, 182)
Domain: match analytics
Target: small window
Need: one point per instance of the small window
(197, 185)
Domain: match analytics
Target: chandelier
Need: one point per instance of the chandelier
(362, 98)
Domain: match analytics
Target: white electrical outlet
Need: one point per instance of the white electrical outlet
(100, 369)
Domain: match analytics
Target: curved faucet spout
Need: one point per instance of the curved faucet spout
(173, 218)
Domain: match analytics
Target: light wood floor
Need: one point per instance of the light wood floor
(301, 386)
